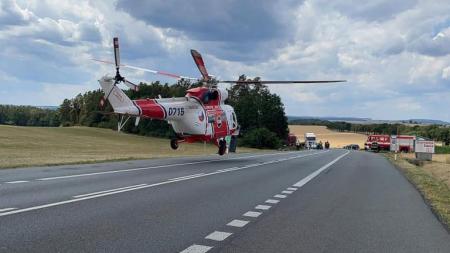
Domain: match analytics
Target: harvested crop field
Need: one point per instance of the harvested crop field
(336, 139)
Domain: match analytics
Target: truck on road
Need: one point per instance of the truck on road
(378, 142)
(310, 141)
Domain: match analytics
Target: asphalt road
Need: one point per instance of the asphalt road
(310, 201)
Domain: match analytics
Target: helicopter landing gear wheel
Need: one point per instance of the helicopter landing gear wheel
(222, 147)
(174, 144)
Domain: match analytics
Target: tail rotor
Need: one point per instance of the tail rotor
(118, 78)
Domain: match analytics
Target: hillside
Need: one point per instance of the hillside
(336, 139)
(27, 146)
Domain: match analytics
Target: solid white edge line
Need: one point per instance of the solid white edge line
(218, 236)
(195, 248)
(17, 182)
(7, 209)
(155, 167)
(125, 190)
(188, 176)
(105, 191)
(317, 172)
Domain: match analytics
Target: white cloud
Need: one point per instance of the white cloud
(446, 73)
(395, 56)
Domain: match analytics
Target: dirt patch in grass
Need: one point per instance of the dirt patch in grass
(36, 146)
(432, 180)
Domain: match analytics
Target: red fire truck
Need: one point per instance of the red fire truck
(377, 142)
(402, 143)
(291, 140)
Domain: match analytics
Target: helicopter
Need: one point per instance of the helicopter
(200, 116)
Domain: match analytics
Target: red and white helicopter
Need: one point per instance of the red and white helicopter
(200, 116)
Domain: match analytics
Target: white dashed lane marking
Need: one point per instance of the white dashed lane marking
(263, 207)
(272, 201)
(218, 236)
(237, 223)
(197, 249)
(252, 214)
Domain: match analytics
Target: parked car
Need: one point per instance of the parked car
(352, 147)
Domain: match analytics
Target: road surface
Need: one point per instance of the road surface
(309, 201)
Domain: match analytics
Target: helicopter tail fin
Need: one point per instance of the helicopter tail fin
(119, 101)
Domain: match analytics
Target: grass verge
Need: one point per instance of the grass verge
(434, 190)
(41, 146)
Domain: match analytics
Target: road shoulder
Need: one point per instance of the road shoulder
(434, 191)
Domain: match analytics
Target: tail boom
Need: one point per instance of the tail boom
(119, 101)
(150, 108)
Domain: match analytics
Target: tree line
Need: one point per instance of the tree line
(28, 116)
(435, 132)
(261, 116)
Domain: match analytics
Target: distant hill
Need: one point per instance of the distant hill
(430, 121)
(357, 120)
(49, 107)
(290, 118)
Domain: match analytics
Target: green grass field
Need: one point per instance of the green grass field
(34, 146)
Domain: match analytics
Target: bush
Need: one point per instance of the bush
(67, 124)
(261, 138)
(414, 161)
(442, 150)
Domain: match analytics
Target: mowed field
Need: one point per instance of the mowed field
(30, 146)
(336, 139)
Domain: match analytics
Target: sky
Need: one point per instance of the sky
(394, 54)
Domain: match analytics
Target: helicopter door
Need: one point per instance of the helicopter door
(219, 122)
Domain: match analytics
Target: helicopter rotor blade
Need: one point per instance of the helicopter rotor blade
(156, 72)
(198, 59)
(283, 82)
(116, 52)
(131, 85)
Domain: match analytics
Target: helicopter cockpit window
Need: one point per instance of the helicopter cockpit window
(211, 119)
(208, 96)
(205, 98)
(214, 95)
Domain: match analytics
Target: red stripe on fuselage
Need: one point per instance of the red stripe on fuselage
(150, 109)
